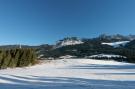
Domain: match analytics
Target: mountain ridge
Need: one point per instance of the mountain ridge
(83, 47)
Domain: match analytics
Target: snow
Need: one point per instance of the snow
(41, 55)
(67, 57)
(117, 44)
(107, 55)
(70, 74)
(69, 42)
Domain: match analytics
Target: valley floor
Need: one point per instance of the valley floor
(70, 74)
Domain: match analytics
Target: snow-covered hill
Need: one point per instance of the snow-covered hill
(116, 44)
(71, 74)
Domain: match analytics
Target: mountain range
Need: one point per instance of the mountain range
(83, 47)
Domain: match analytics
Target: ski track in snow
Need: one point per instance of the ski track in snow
(71, 74)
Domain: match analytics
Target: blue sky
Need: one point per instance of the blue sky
(36, 22)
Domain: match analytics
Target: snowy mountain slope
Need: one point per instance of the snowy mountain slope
(71, 42)
(116, 37)
(70, 74)
(117, 44)
(68, 41)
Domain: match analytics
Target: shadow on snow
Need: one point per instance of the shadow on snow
(35, 82)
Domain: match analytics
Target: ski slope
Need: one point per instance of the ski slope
(70, 74)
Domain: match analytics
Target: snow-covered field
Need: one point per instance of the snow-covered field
(70, 74)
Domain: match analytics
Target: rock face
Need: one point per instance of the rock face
(115, 38)
(68, 41)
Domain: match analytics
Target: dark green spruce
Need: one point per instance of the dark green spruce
(17, 58)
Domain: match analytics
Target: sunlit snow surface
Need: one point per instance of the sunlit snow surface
(70, 74)
(106, 55)
(68, 42)
(117, 44)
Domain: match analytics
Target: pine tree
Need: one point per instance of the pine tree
(1, 56)
(17, 58)
(3, 62)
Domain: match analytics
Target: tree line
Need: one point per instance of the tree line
(17, 58)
